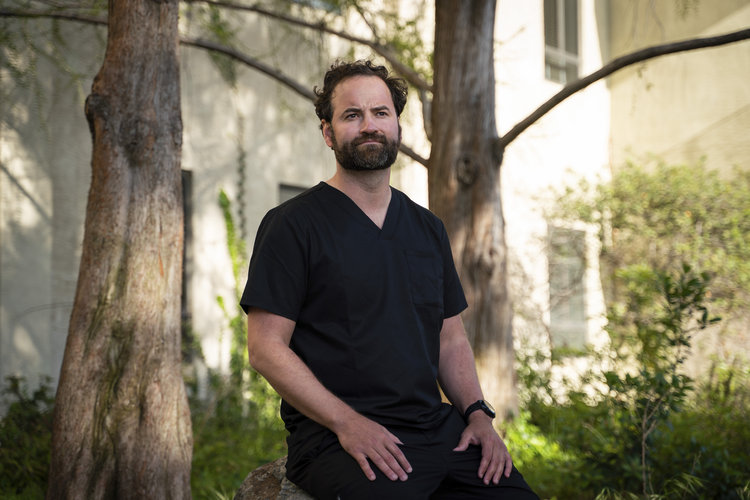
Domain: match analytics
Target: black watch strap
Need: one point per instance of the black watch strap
(480, 405)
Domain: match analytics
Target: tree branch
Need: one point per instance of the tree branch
(384, 51)
(252, 62)
(611, 67)
(68, 16)
(412, 154)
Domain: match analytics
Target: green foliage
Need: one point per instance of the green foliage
(667, 215)
(635, 425)
(25, 436)
(652, 337)
(549, 466)
(583, 448)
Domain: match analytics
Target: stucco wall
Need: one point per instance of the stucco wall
(45, 155)
(687, 106)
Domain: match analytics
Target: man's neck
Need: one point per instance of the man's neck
(369, 190)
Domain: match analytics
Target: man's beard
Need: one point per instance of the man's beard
(352, 156)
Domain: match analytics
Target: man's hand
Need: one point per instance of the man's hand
(363, 438)
(495, 457)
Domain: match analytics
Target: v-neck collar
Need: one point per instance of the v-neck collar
(391, 215)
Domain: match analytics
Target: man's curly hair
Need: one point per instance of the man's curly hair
(340, 71)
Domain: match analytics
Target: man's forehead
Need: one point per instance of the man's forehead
(362, 91)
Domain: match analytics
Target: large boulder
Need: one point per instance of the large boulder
(269, 482)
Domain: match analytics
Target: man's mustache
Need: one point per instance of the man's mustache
(367, 137)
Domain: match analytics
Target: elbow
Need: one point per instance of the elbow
(262, 357)
(254, 356)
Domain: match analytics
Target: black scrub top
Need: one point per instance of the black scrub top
(368, 303)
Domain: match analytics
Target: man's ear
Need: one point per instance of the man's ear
(325, 127)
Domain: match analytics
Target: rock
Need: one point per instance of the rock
(269, 482)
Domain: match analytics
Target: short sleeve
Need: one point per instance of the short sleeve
(277, 275)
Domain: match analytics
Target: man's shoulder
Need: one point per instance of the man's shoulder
(303, 200)
(418, 211)
(300, 206)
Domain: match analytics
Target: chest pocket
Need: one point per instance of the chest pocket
(425, 278)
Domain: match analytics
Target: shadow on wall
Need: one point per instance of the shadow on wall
(45, 158)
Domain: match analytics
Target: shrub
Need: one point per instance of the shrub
(636, 425)
(25, 437)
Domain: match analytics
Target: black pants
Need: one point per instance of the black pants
(438, 472)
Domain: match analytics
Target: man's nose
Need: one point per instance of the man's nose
(368, 124)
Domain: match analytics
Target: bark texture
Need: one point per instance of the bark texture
(464, 185)
(269, 482)
(122, 423)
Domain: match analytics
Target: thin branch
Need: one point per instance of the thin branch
(412, 154)
(68, 16)
(617, 64)
(384, 51)
(252, 62)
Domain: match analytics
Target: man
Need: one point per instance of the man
(353, 306)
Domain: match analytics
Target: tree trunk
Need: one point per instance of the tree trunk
(464, 185)
(122, 423)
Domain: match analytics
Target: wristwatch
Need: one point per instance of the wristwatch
(480, 405)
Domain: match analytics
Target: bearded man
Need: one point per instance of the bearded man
(353, 306)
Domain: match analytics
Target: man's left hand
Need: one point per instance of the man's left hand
(496, 460)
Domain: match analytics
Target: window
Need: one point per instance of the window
(567, 266)
(561, 40)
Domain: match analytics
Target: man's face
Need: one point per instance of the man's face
(364, 132)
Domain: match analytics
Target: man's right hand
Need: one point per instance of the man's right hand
(365, 439)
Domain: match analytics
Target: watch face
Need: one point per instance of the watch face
(488, 408)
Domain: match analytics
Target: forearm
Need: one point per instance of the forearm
(457, 372)
(457, 375)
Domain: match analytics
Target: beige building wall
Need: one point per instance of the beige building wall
(682, 107)
(45, 156)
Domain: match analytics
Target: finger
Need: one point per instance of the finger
(508, 466)
(401, 459)
(504, 466)
(464, 443)
(499, 469)
(397, 462)
(484, 464)
(392, 470)
(365, 466)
